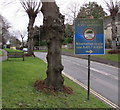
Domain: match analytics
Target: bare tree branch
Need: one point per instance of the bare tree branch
(113, 9)
(73, 10)
(32, 8)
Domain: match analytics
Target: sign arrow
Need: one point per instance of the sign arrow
(90, 51)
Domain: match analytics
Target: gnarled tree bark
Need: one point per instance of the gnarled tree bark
(53, 27)
(114, 32)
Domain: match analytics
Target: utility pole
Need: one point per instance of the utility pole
(39, 39)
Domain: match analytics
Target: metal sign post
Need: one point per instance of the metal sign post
(88, 77)
(89, 40)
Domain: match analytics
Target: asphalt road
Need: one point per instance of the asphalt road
(104, 78)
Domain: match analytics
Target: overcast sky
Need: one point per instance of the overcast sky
(15, 14)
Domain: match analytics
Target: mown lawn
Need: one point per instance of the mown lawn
(68, 50)
(18, 78)
(40, 50)
(12, 50)
(112, 57)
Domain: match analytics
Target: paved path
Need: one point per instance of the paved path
(104, 78)
(4, 57)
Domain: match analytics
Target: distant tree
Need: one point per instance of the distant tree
(15, 42)
(72, 12)
(39, 38)
(32, 8)
(91, 9)
(36, 36)
(113, 8)
(4, 35)
(69, 33)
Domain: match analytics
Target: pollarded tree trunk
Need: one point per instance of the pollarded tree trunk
(30, 36)
(53, 27)
(32, 8)
(114, 32)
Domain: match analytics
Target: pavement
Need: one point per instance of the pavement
(94, 58)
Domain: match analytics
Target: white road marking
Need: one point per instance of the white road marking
(105, 65)
(96, 62)
(93, 69)
(104, 73)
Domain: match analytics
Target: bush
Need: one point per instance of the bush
(68, 40)
(114, 52)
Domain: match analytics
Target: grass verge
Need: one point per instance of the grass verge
(68, 50)
(112, 57)
(18, 91)
(40, 50)
(12, 50)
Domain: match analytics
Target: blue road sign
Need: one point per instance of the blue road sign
(89, 37)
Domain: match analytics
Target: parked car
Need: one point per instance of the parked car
(25, 49)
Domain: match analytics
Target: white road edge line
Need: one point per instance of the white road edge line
(97, 63)
(105, 64)
(96, 70)
(93, 92)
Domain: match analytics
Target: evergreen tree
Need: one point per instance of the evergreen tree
(91, 9)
